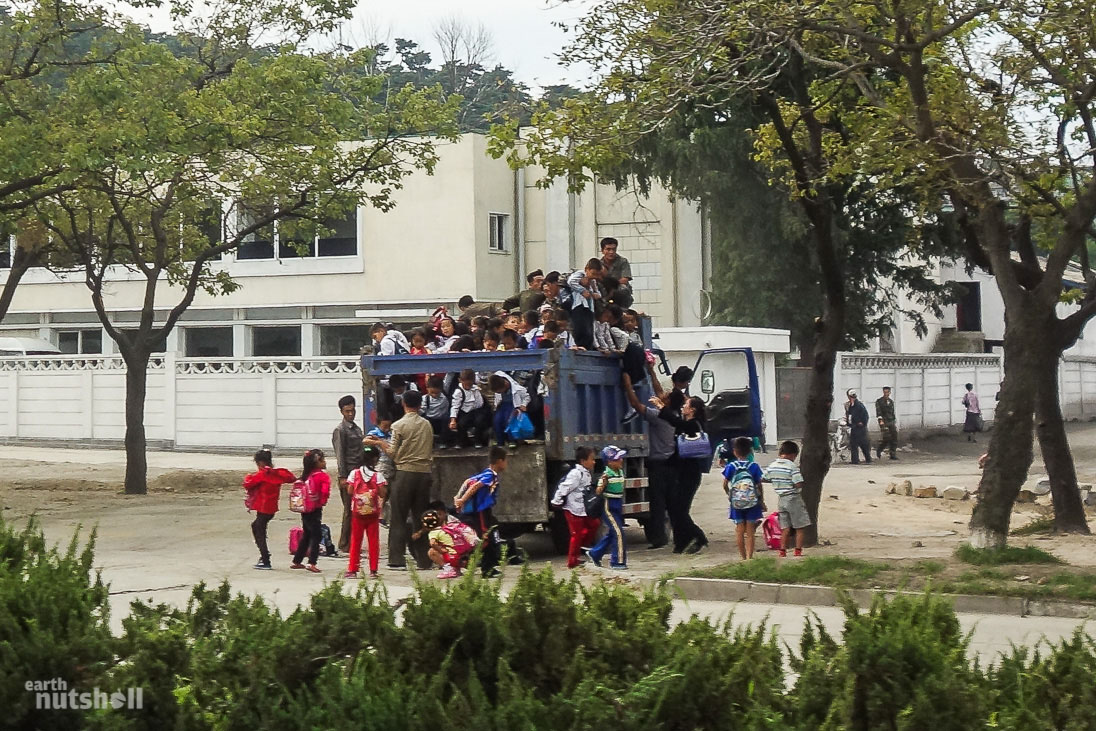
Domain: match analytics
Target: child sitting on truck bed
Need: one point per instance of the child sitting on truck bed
(469, 414)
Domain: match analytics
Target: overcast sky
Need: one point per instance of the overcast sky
(525, 38)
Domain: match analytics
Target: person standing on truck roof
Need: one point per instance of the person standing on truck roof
(346, 441)
(412, 450)
(661, 472)
(584, 296)
(617, 268)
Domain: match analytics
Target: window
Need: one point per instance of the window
(80, 342)
(159, 347)
(499, 225)
(340, 238)
(207, 342)
(274, 341)
(343, 339)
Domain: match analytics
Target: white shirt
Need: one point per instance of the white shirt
(519, 393)
(569, 493)
(465, 401)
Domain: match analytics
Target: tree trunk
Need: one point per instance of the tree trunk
(814, 460)
(21, 262)
(1069, 511)
(136, 444)
(1010, 447)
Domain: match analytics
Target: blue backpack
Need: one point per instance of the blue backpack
(742, 489)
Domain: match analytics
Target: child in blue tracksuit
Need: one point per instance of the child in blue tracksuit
(611, 485)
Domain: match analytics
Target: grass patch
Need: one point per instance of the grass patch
(825, 570)
(1006, 555)
(1035, 527)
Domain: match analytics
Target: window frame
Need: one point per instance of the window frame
(498, 232)
(277, 245)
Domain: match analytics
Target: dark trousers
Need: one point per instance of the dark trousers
(409, 497)
(679, 503)
(258, 529)
(310, 541)
(661, 479)
(582, 327)
(442, 433)
(858, 442)
(613, 540)
(490, 545)
(888, 438)
(478, 421)
(502, 419)
(344, 528)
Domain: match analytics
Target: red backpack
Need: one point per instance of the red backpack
(771, 530)
(302, 498)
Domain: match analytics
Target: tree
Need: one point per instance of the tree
(681, 100)
(187, 156)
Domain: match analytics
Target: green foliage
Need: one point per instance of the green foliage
(1008, 554)
(1036, 526)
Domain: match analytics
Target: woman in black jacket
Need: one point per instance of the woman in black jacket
(687, 414)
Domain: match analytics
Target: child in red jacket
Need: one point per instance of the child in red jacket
(263, 489)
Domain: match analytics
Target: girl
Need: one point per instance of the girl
(264, 486)
(447, 335)
(686, 413)
(318, 486)
(418, 347)
(368, 489)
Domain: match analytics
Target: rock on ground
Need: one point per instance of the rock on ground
(954, 492)
(925, 491)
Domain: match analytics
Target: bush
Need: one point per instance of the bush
(1008, 554)
(549, 654)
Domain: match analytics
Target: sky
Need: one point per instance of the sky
(525, 39)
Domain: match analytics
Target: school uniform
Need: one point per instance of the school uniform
(517, 397)
(613, 518)
(472, 414)
(570, 495)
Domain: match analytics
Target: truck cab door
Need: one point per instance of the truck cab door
(726, 379)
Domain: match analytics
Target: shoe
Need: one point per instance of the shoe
(590, 557)
(396, 568)
(798, 552)
(893, 457)
(783, 553)
(656, 546)
(296, 565)
(512, 445)
(374, 575)
(443, 446)
(695, 547)
(618, 566)
(492, 574)
(314, 568)
(630, 416)
(678, 550)
(878, 453)
(350, 575)
(449, 572)
(264, 566)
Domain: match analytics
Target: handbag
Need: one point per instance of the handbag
(693, 447)
(520, 426)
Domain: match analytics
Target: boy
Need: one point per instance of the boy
(563, 320)
(510, 340)
(788, 485)
(549, 336)
(742, 483)
(475, 498)
(516, 325)
(571, 496)
(435, 409)
(510, 396)
(584, 297)
(389, 342)
(611, 485)
(468, 412)
(490, 341)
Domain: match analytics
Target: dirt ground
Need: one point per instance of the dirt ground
(192, 525)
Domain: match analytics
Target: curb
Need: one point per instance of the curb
(734, 590)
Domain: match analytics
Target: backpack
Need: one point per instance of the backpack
(592, 501)
(464, 536)
(771, 530)
(302, 498)
(743, 490)
(365, 501)
(295, 535)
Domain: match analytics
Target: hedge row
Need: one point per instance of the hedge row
(550, 655)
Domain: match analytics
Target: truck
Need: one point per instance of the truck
(583, 404)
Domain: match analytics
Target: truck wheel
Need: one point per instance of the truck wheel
(560, 532)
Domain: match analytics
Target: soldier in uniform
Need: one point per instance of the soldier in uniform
(888, 424)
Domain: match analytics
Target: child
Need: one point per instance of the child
(611, 485)
(788, 485)
(389, 342)
(584, 296)
(435, 409)
(474, 500)
(608, 337)
(400, 386)
(382, 432)
(318, 484)
(571, 496)
(469, 415)
(451, 541)
(447, 335)
(264, 486)
(368, 489)
(565, 338)
(549, 337)
(418, 347)
(742, 483)
(490, 341)
(509, 397)
(510, 340)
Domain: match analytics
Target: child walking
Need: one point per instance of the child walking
(474, 500)
(742, 483)
(264, 486)
(571, 496)
(611, 485)
(788, 485)
(368, 489)
(317, 487)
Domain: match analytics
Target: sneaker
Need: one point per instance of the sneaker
(264, 566)
(696, 546)
(443, 446)
(618, 566)
(629, 416)
(783, 553)
(656, 546)
(448, 572)
(350, 575)
(396, 568)
(512, 445)
(894, 456)
(590, 557)
(493, 574)
(798, 552)
(296, 565)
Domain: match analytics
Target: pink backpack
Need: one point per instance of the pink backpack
(464, 536)
(771, 530)
(303, 498)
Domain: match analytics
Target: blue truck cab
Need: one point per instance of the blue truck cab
(582, 401)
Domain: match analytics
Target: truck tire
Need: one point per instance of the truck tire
(560, 532)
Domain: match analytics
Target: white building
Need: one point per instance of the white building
(474, 227)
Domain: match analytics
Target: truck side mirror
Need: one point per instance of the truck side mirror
(707, 382)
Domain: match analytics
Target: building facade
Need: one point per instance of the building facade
(473, 227)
